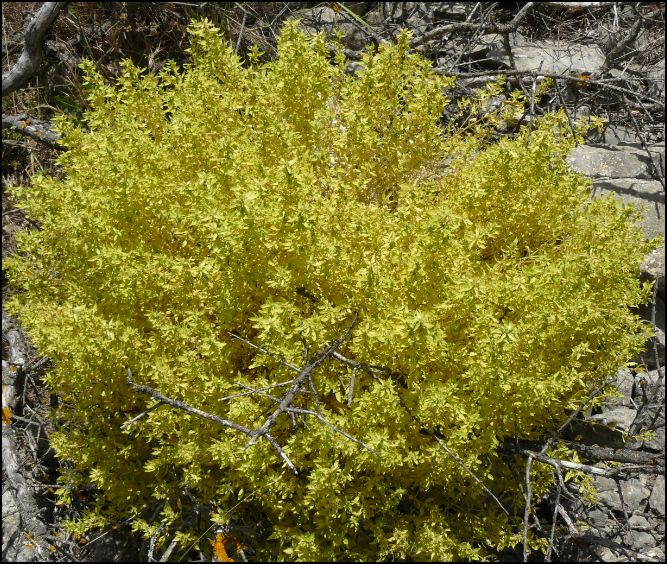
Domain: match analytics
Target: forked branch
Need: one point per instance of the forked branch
(285, 404)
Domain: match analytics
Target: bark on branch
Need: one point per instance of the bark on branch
(598, 454)
(33, 128)
(285, 404)
(27, 533)
(474, 26)
(660, 104)
(31, 56)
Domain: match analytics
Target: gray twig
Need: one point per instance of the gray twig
(141, 415)
(526, 511)
(284, 404)
(554, 517)
(185, 407)
(299, 380)
(332, 426)
(238, 41)
(535, 74)
(659, 174)
(473, 26)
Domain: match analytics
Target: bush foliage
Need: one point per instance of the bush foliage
(275, 200)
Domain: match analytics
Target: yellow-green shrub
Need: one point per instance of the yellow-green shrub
(275, 200)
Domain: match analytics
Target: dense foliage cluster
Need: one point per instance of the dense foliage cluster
(276, 200)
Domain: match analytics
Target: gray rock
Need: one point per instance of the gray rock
(656, 554)
(657, 499)
(646, 195)
(635, 493)
(596, 433)
(653, 269)
(639, 540)
(655, 345)
(618, 418)
(376, 16)
(548, 56)
(656, 378)
(657, 443)
(326, 19)
(354, 67)
(621, 161)
(613, 135)
(624, 384)
(604, 485)
(639, 522)
(452, 10)
(598, 519)
(608, 555)
(634, 490)
(652, 154)
(359, 8)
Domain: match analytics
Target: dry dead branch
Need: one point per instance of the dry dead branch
(36, 129)
(31, 56)
(285, 404)
(438, 32)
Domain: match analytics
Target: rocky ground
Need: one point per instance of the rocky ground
(605, 58)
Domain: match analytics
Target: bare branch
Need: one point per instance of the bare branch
(299, 380)
(554, 518)
(284, 404)
(189, 409)
(141, 415)
(33, 128)
(340, 431)
(597, 453)
(185, 407)
(622, 45)
(526, 511)
(535, 74)
(31, 56)
(473, 26)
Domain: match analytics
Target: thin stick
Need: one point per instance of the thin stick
(535, 74)
(262, 349)
(526, 511)
(185, 407)
(642, 138)
(142, 414)
(372, 370)
(284, 404)
(238, 41)
(350, 392)
(473, 26)
(299, 380)
(323, 420)
(554, 518)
